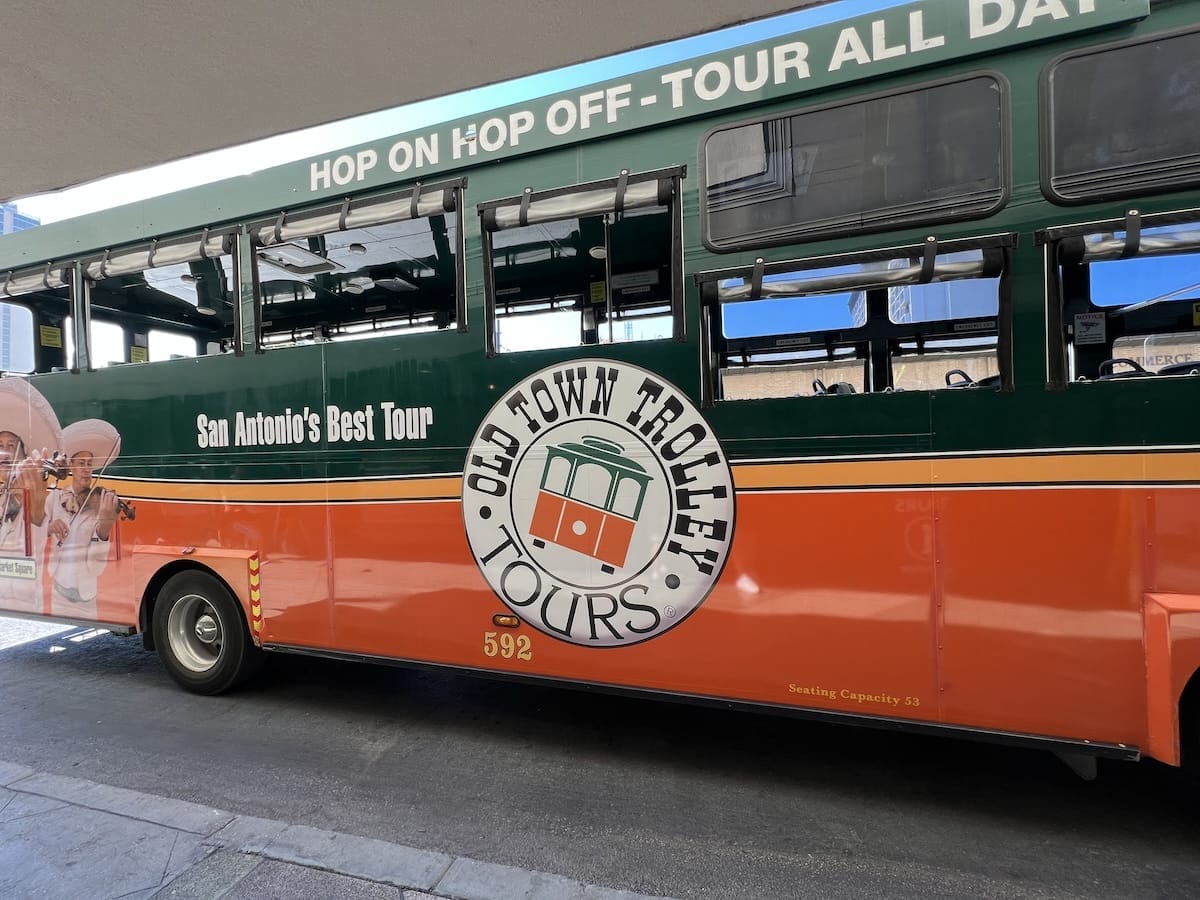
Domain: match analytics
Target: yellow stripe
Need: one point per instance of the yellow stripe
(290, 492)
(1029, 469)
(1091, 468)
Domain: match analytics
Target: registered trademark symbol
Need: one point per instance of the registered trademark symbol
(669, 612)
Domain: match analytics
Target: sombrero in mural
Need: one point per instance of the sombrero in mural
(95, 436)
(28, 415)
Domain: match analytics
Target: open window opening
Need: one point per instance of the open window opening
(599, 263)
(36, 328)
(1124, 298)
(927, 317)
(35, 304)
(186, 285)
(362, 268)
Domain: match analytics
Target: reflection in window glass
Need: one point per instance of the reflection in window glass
(1123, 119)
(927, 155)
(793, 314)
(944, 301)
(1154, 352)
(1124, 282)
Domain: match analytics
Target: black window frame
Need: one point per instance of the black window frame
(453, 191)
(877, 225)
(869, 338)
(672, 200)
(1063, 244)
(1112, 189)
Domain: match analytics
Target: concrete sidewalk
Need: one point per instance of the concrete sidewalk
(65, 837)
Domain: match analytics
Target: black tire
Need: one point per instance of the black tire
(201, 634)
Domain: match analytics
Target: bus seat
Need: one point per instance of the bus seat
(838, 387)
(966, 381)
(1108, 371)
(1183, 368)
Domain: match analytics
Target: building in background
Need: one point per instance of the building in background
(12, 219)
(15, 349)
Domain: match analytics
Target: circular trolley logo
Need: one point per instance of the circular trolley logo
(598, 503)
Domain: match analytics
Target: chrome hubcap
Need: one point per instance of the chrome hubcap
(207, 629)
(194, 633)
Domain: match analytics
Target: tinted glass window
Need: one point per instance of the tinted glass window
(920, 156)
(1126, 120)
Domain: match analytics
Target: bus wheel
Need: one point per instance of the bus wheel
(201, 635)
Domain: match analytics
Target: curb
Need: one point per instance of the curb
(230, 841)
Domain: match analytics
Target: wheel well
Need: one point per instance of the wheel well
(1189, 722)
(155, 586)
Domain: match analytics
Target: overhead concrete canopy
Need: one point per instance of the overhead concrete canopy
(90, 88)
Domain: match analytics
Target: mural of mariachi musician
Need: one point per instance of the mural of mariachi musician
(29, 434)
(82, 518)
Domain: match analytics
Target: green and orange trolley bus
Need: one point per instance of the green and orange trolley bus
(852, 374)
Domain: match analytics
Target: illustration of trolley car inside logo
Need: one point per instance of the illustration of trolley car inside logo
(598, 503)
(590, 500)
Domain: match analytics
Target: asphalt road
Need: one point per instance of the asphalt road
(646, 796)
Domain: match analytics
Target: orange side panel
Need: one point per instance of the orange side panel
(1046, 611)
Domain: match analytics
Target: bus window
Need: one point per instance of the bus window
(186, 282)
(1177, 352)
(1128, 298)
(369, 267)
(920, 318)
(1121, 121)
(964, 357)
(42, 292)
(108, 343)
(931, 154)
(170, 345)
(16, 338)
(595, 264)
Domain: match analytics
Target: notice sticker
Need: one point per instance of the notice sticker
(1089, 329)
